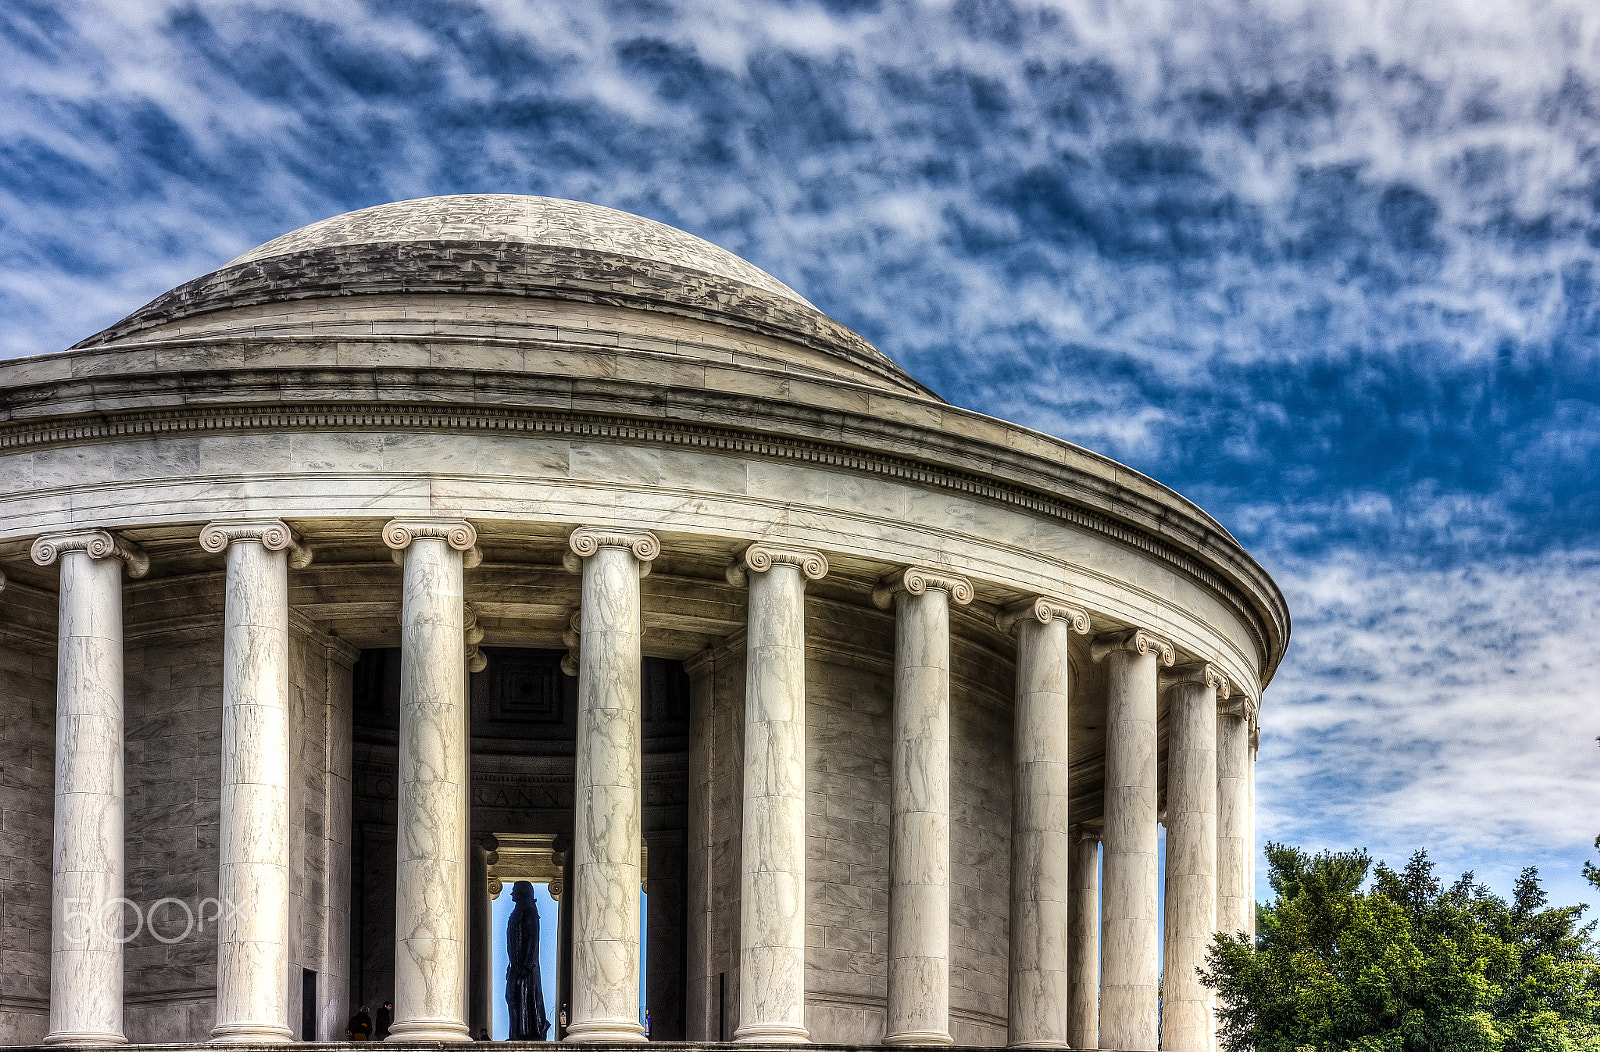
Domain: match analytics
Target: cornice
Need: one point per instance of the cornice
(1246, 588)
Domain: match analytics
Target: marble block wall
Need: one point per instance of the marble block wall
(319, 803)
(27, 779)
(173, 696)
(980, 837)
(849, 698)
(174, 737)
(726, 828)
(848, 705)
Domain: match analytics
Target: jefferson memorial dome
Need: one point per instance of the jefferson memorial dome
(483, 539)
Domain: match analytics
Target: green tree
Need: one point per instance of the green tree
(1356, 957)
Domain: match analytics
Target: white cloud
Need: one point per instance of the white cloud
(1455, 710)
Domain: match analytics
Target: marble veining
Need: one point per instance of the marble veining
(607, 822)
(86, 949)
(253, 852)
(773, 854)
(430, 974)
(1129, 973)
(1191, 878)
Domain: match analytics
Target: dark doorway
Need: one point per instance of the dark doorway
(308, 1005)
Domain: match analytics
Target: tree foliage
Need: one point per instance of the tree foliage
(1352, 957)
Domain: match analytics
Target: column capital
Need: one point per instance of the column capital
(1135, 640)
(1239, 704)
(570, 636)
(761, 557)
(586, 540)
(477, 661)
(97, 544)
(1043, 609)
(275, 535)
(915, 580)
(1203, 673)
(458, 533)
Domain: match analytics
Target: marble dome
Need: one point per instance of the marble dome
(516, 219)
(508, 247)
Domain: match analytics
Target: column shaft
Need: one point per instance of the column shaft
(1130, 973)
(253, 853)
(608, 822)
(772, 954)
(481, 944)
(1234, 909)
(1040, 842)
(87, 923)
(1191, 912)
(1084, 936)
(1250, 844)
(703, 1008)
(430, 973)
(919, 844)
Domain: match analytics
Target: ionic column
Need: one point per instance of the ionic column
(919, 817)
(1235, 908)
(1191, 906)
(430, 957)
(1040, 842)
(253, 844)
(1083, 934)
(86, 879)
(1250, 824)
(1130, 970)
(607, 826)
(772, 933)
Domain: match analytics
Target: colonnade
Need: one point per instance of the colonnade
(1054, 1000)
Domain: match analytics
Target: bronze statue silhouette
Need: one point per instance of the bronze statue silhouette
(524, 987)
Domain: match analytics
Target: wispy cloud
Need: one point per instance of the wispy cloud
(1331, 267)
(1456, 709)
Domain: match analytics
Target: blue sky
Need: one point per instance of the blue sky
(1329, 267)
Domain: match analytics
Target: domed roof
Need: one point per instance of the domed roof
(410, 259)
(515, 219)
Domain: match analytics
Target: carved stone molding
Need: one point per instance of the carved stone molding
(1136, 640)
(1201, 672)
(458, 533)
(275, 535)
(97, 544)
(761, 557)
(586, 540)
(472, 631)
(1042, 609)
(1240, 704)
(1241, 583)
(569, 661)
(916, 580)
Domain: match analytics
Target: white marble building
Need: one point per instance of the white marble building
(500, 517)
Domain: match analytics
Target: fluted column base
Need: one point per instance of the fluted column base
(429, 1030)
(86, 1038)
(602, 1030)
(251, 1035)
(919, 1037)
(770, 1035)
